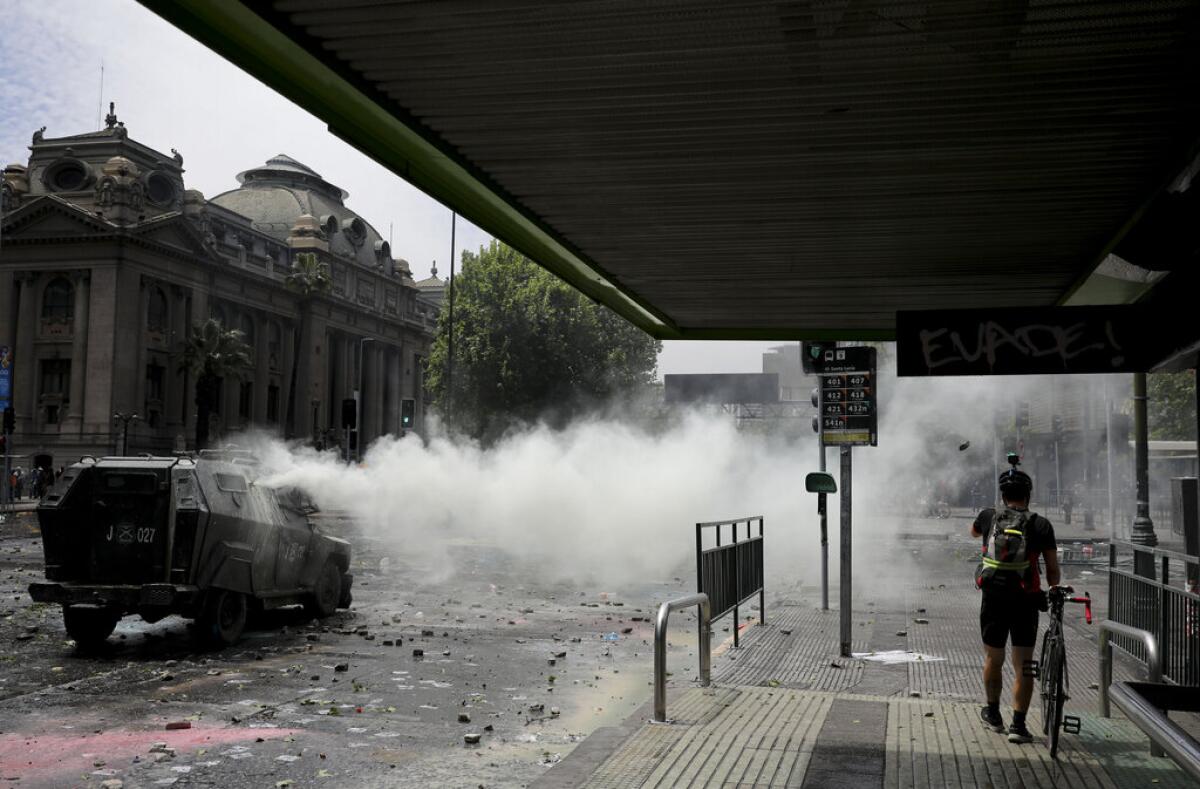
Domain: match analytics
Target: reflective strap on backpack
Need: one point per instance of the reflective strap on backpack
(995, 565)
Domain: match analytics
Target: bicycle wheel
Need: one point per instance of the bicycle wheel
(1053, 669)
(1044, 686)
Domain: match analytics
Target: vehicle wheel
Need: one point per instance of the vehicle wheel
(222, 619)
(89, 626)
(326, 593)
(346, 597)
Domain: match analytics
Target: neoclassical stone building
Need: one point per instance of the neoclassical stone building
(106, 260)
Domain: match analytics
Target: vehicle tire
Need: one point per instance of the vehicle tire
(222, 619)
(89, 626)
(346, 598)
(326, 592)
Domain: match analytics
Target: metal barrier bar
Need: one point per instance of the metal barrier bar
(731, 573)
(1165, 735)
(660, 648)
(1153, 662)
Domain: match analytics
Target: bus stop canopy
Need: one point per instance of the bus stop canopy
(737, 169)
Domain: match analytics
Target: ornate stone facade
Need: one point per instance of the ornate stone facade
(108, 260)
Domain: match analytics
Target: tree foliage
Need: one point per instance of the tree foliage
(1171, 405)
(529, 347)
(212, 354)
(308, 278)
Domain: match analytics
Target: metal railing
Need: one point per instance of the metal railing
(660, 648)
(1107, 630)
(731, 573)
(1155, 590)
(1145, 706)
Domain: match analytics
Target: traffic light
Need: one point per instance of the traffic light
(408, 409)
(349, 414)
(816, 401)
(3, 445)
(10, 420)
(1023, 413)
(1056, 425)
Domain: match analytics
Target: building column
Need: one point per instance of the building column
(262, 371)
(101, 329)
(188, 380)
(347, 383)
(140, 428)
(177, 396)
(375, 390)
(24, 363)
(74, 419)
(287, 358)
(393, 399)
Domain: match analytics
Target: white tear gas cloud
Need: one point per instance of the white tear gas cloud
(606, 501)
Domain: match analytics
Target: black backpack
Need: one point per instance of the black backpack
(1005, 562)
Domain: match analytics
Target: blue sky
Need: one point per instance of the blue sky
(171, 92)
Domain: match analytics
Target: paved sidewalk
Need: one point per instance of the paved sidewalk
(785, 711)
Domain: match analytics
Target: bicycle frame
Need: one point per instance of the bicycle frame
(1052, 668)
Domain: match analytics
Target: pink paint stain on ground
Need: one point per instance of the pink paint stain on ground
(36, 759)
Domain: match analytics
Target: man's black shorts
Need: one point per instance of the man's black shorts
(1002, 615)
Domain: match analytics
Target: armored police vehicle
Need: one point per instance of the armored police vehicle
(156, 536)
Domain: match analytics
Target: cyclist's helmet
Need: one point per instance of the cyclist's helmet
(1014, 483)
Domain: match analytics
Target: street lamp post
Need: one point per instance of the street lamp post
(125, 419)
(1143, 526)
(358, 393)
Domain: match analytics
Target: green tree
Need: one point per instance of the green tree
(213, 354)
(529, 347)
(1171, 405)
(308, 279)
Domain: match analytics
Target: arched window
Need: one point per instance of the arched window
(274, 344)
(246, 324)
(156, 311)
(58, 301)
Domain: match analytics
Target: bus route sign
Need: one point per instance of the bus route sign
(850, 398)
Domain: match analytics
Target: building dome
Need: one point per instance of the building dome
(274, 196)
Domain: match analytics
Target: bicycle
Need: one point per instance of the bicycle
(1051, 669)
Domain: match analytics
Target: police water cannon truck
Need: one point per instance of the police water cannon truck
(197, 537)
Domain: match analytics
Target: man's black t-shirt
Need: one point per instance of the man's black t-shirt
(1039, 536)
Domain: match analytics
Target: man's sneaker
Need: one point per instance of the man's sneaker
(992, 719)
(1017, 732)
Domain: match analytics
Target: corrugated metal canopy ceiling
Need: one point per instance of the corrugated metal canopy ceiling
(790, 168)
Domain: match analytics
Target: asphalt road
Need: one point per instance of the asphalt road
(521, 662)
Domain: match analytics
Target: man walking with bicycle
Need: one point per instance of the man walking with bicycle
(1015, 543)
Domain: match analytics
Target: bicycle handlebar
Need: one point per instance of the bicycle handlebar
(1063, 591)
(1087, 602)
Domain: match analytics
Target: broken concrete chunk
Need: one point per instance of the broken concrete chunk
(464, 717)
(472, 738)
(341, 668)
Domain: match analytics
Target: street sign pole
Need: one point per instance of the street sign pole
(849, 413)
(821, 510)
(845, 605)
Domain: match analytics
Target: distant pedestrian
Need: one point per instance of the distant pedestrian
(1014, 541)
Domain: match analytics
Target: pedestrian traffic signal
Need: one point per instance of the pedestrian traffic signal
(349, 414)
(10, 420)
(408, 410)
